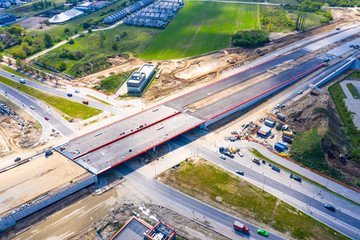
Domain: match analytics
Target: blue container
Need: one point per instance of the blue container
(279, 147)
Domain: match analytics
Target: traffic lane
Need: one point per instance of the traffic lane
(39, 110)
(241, 96)
(182, 200)
(229, 164)
(62, 93)
(181, 102)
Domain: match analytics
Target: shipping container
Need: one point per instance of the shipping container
(279, 147)
(280, 116)
(286, 139)
(288, 134)
(279, 126)
(284, 144)
(269, 123)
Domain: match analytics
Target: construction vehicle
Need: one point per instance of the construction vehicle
(226, 151)
(233, 150)
(241, 227)
(232, 60)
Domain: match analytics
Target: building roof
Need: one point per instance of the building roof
(65, 16)
(134, 229)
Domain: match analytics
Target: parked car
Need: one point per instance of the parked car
(263, 232)
(240, 172)
(222, 157)
(242, 125)
(300, 92)
(330, 207)
(272, 136)
(46, 118)
(32, 107)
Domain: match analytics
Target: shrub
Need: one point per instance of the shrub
(251, 38)
(72, 41)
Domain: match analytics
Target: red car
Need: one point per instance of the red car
(46, 118)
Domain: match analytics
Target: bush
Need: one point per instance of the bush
(248, 39)
(86, 25)
(72, 41)
(89, 65)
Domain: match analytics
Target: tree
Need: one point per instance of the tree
(101, 41)
(62, 66)
(19, 63)
(9, 61)
(48, 40)
(66, 30)
(102, 35)
(270, 27)
(86, 25)
(89, 30)
(72, 41)
(117, 38)
(114, 46)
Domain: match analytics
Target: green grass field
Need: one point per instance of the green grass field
(72, 109)
(202, 27)
(353, 90)
(135, 42)
(221, 189)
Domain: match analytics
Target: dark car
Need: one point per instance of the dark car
(330, 207)
(46, 118)
(17, 159)
(69, 94)
(240, 172)
(296, 178)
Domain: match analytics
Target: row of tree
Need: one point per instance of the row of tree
(41, 5)
(248, 39)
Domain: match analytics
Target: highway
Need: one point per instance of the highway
(63, 93)
(163, 193)
(229, 164)
(39, 109)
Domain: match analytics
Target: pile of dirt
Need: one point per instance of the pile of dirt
(17, 133)
(318, 111)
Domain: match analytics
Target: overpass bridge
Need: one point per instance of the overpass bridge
(113, 144)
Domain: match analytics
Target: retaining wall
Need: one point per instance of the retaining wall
(42, 202)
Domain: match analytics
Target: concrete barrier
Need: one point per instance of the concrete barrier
(44, 201)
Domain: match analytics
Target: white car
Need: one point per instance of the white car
(222, 157)
(240, 154)
(32, 107)
(13, 75)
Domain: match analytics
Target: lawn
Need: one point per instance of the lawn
(353, 90)
(202, 27)
(70, 108)
(312, 19)
(134, 41)
(13, 71)
(219, 188)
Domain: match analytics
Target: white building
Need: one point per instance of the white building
(139, 79)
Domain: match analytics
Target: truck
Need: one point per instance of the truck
(226, 151)
(241, 227)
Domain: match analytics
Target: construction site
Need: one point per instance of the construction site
(72, 166)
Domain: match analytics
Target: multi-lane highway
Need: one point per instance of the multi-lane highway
(54, 119)
(63, 93)
(302, 198)
(163, 193)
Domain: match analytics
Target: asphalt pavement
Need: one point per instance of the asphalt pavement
(212, 156)
(58, 91)
(157, 190)
(28, 101)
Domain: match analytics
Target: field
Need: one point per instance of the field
(132, 40)
(226, 191)
(70, 108)
(202, 27)
(312, 19)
